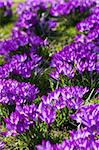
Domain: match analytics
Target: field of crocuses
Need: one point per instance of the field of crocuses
(49, 52)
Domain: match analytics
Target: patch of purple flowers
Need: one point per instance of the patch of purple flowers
(60, 98)
(21, 65)
(65, 8)
(14, 92)
(19, 39)
(81, 55)
(36, 18)
(77, 56)
(20, 120)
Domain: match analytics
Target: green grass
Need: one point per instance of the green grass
(5, 31)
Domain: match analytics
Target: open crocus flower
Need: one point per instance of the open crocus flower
(46, 113)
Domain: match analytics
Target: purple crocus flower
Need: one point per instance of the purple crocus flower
(2, 144)
(46, 113)
(52, 24)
